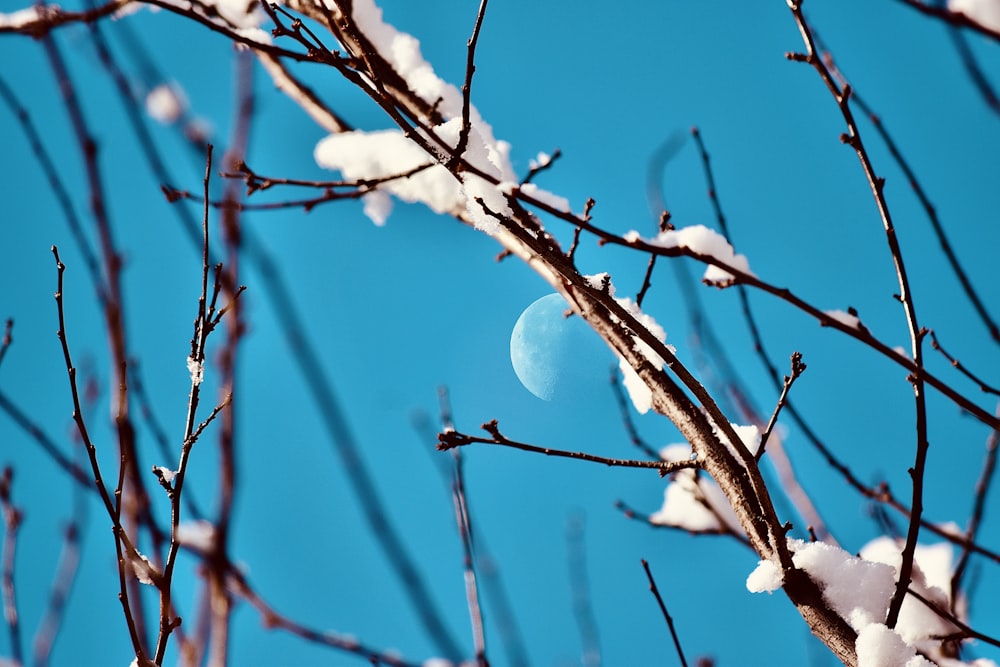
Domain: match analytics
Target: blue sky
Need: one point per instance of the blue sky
(396, 312)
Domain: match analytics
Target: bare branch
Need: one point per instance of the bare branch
(451, 439)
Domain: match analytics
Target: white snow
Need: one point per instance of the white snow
(22, 17)
(984, 12)
(878, 646)
(198, 534)
(166, 103)
(546, 197)
(542, 160)
(766, 577)
(685, 498)
(709, 244)
(239, 13)
(640, 394)
(382, 153)
(197, 371)
(166, 473)
(932, 569)
(848, 320)
(142, 568)
(859, 589)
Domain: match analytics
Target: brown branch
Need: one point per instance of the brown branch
(196, 360)
(470, 68)
(931, 211)
(109, 506)
(538, 167)
(842, 95)
(450, 439)
(666, 615)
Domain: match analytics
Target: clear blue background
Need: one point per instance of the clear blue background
(400, 310)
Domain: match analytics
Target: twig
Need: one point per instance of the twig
(452, 439)
(797, 369)
(470, 68)
(203, 327)
(852, 138)
(12, 518)
(920, 192)
(98, 479)
(985, 388)
(542, 165)
(583, 610)
(666, 615)
(646, 281)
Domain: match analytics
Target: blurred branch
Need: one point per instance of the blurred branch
(12, 518)
(957, 19)
(583, 611)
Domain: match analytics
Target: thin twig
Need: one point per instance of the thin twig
(897, 155)
(98, 479)
(666, 615)
(451, 439)
(985, 388)
(797, 369)
(470, 69)
(852, 137)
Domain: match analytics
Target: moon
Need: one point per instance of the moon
(557, 357)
